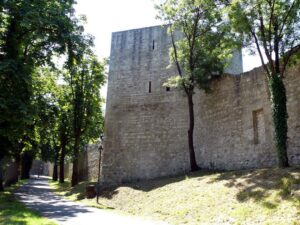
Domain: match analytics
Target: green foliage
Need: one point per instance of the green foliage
(201, 48)
(280, 116)
(46, 111)
(31, 33)
(286, 186)
(202, 45)
(85, 80)
(84, 76)
(39, 112)
(273, 27)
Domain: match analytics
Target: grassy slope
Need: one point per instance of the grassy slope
(13, 212)
(267, 196)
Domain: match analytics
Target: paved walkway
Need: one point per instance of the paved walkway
(37, 195)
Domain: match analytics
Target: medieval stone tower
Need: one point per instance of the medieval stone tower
(146, 123)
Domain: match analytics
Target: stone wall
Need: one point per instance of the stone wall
(233, 128)
(234, 125)
(146, 125)
(88, 164)
(93, 161)
(10, 172)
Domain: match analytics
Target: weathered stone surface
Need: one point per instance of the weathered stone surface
(146, 133)
(93, 155)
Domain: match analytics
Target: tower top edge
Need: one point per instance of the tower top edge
(142, 28)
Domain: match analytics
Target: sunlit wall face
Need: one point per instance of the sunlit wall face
(107, 16)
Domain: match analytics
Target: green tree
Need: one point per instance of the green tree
(199, 50)
(4, 146)
(64, 128)
(30, 33)
(51, 100)
(64, 139)
(85, 77)
(273, 27)
(45, 101)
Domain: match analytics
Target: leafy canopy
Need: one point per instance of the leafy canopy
(200, 41)
(272, 26)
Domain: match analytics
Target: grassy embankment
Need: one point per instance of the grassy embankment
(266, 196)
(13, 212)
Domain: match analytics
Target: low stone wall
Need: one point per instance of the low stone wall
(10, 172)
(88, 164)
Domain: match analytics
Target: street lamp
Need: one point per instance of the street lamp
(99, 166)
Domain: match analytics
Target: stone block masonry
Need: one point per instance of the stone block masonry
(146, 124)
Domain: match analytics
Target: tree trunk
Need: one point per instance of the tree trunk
(55, 171)
(280, 116)
(55, 175)
(75, 174)
(4, 146)
(26, 163)
(62, 163)
(16, 171)
(193, 161)
(1, 175)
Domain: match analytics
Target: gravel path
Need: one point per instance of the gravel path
(38, 195)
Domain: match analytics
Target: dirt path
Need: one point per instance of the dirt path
(37, 195)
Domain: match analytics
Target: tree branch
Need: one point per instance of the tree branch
(175, 58)
(260, 53)
(286, 58)
(264, 39)
(287, 14)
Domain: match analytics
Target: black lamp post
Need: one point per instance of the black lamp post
(99, 166)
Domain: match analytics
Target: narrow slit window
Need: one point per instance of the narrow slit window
(153, 45)
(149, 88)
(168, 89)
(258, 126)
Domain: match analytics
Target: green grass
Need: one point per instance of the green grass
(265, 196)
(65, 189)
(76, 194)
(13, 212)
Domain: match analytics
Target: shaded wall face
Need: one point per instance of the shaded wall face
(233, 127)
(292, 83)
(146, 125)
(10, 174)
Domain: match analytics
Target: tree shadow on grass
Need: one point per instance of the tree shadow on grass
(259, 185)
(78, 190)
(14, 212)
(108, 193)
(149, 185)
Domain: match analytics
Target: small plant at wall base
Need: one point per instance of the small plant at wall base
(200, 49)
(273, 27)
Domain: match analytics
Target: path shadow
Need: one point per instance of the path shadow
(38, 196)
(78, 190)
